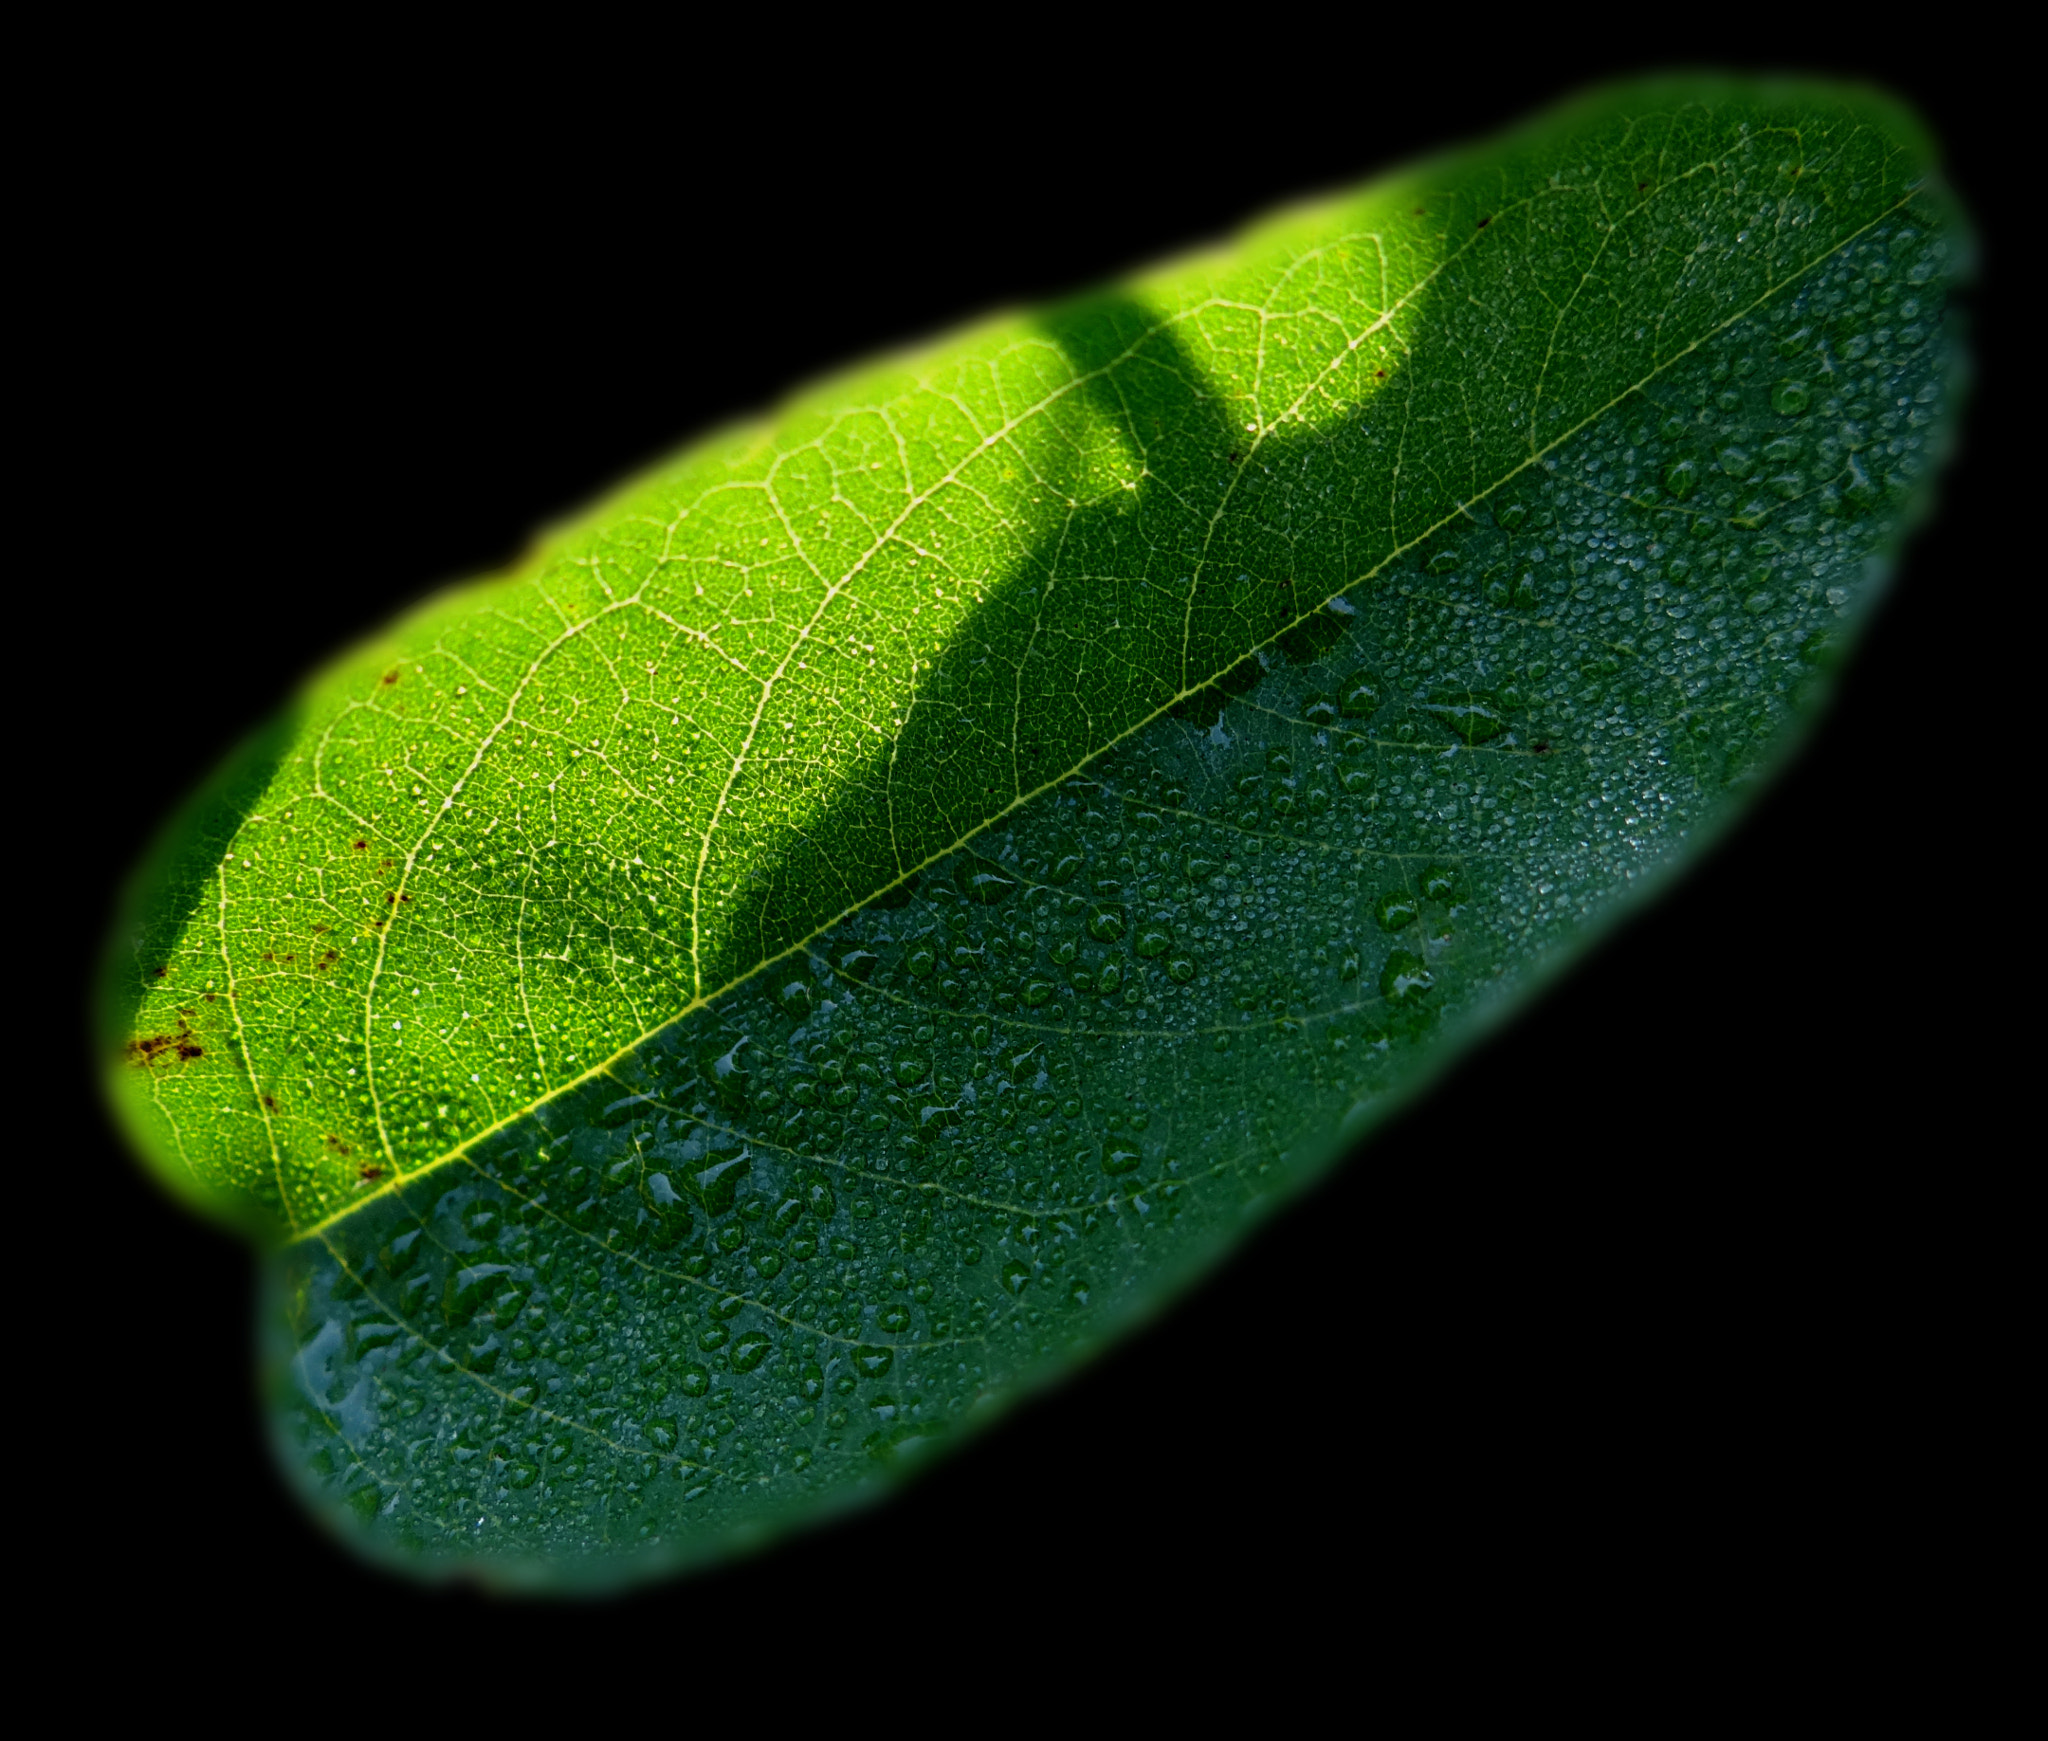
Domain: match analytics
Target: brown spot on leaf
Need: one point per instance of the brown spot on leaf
(368, 1173)
(154, 1048)
(337, 1145)
(390, 677)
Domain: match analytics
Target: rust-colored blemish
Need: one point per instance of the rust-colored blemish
(157, 1048)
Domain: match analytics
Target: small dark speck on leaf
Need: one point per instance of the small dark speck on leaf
(1483, 222)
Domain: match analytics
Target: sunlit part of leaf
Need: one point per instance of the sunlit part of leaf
(891, 897)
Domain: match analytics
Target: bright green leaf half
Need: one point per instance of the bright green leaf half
(890, 897)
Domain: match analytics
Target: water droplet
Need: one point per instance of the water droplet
(1121, 1155)
(1681, 478)
(1038, 992)
(1016, 1276)
(1509, 515)
(1443, 562)
(983, 881)
(1111, 976)
(1319, 711)
(1356, 779)
(468, 1287)
(750, 1350)
(1789, 398)
(912, 1069)
(1153, 939)
(857, 964)
(920, 963)
(1106, 924)
(1471, 718)
(401, 1254)
(1395, 909)
(1405, 977)
(1737, 462)
(695, 1380)
(1440, 883)
(875, 1362)
(716, 1184)
(1822, 648)
(1362, 695)
(1180, 970)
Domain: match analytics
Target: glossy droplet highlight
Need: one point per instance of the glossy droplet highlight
(1119, 1157)
(1363, 694)
(1405, 977)
(1471, 718)
(982, 881)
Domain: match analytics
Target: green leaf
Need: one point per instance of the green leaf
(705, 1021)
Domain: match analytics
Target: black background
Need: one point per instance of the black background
(1663, 1284)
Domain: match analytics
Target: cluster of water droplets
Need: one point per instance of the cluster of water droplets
(818, 1227)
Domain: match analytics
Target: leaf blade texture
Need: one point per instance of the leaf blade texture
(888, 897)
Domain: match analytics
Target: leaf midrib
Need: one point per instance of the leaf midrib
(703, 999)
